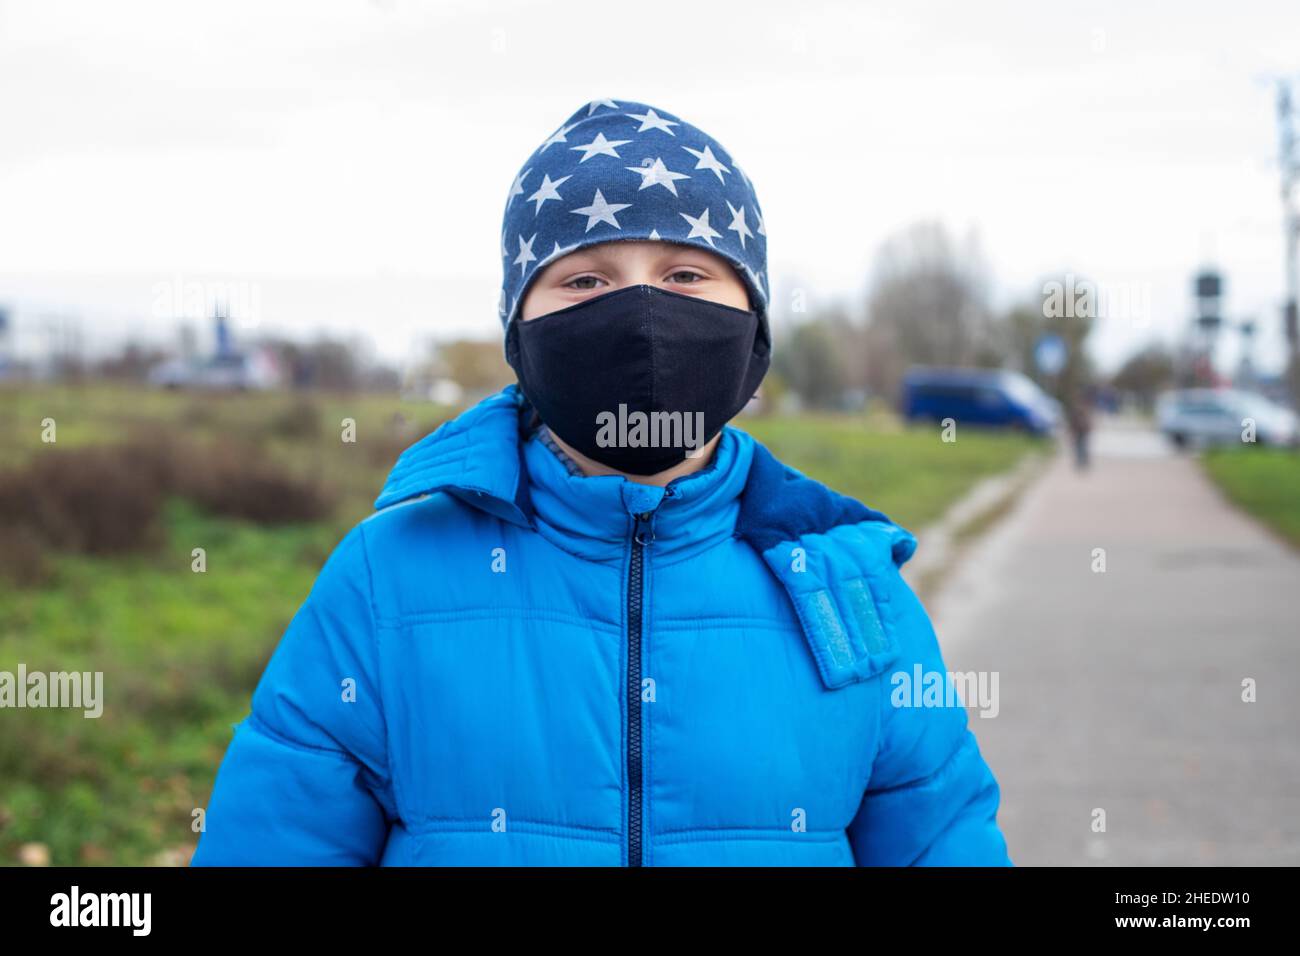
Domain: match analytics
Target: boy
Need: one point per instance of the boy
(590, 624)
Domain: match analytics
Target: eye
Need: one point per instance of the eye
(685, 276)
(582, 283)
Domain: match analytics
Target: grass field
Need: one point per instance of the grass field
(907, 473)
(1262, 481)
(181, 651)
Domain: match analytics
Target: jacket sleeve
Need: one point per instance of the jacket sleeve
(931, 799)
(303, 781)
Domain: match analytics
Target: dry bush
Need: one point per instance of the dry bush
(87, 500)
(238, 481)
(106, 499)
(300, 419)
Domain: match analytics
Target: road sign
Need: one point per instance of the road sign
(1050, 353)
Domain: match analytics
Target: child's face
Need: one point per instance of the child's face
(607, 266)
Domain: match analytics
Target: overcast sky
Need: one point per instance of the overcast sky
(345, 163)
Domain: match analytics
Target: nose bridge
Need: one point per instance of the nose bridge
(636, 262)
(643, 278)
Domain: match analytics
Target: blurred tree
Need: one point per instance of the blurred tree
(1146, 373)
(477, 365)
(325, 363)
(928, 306)
(131, 364)
(1018, 332)
(815, 359)
(772, 393)
(333, 365)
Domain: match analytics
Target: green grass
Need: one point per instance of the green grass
(181, 652)
(908, 473)
(1262, 481)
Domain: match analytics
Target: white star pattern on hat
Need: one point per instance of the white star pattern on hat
(700, 227)
(559, 136)
(738, 223)
(546, 191)
(708, 161)
(657, 174)
(600, 146)
(652, 120)
(601, 211)
(518, 186)
(525, 254)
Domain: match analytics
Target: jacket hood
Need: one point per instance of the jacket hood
(476, 457)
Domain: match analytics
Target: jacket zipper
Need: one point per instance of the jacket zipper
(642, 536)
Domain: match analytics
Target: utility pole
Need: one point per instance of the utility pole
(1207, 286)
(1289, 161)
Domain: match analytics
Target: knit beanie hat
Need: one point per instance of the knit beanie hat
(619, 170)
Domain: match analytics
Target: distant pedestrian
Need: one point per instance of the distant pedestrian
(1078, 419)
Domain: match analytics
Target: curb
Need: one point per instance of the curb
(941, 544)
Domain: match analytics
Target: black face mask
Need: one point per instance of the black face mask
(638, 377)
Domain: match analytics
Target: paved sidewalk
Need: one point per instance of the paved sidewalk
(1122, 690)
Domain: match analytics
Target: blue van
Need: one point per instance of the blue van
(992, 398)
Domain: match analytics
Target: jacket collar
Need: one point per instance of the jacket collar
(487, 459)
(594, 516)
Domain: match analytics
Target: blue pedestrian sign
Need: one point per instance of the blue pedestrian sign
(1050, 353)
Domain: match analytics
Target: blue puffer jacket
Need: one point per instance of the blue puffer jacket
(510, 663)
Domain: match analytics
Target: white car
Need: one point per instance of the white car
(256, 370)
(1217, 416)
